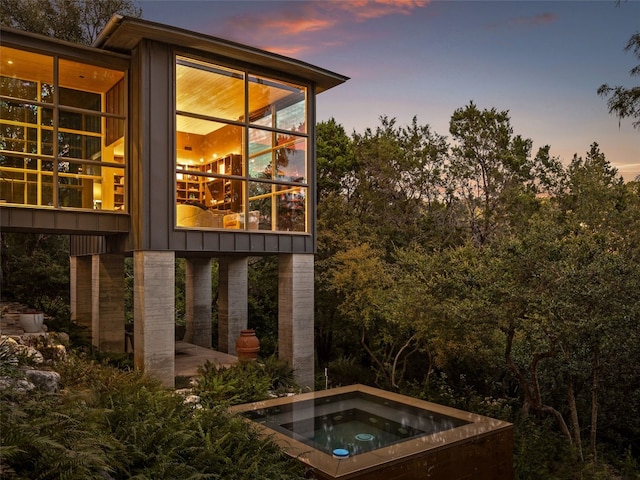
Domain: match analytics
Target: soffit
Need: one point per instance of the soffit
(122, 34)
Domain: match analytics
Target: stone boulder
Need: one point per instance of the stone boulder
(45, 380)
(16, 385)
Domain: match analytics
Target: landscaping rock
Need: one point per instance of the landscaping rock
(17, 385)
(44, 380)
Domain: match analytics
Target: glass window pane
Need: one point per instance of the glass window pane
(291, 155)
(26, 75)
(204, 142)
(210, 90)
(76, 145)
(80, 121)
(9, 162)
(18, 112)
(260, 166)
(268, 97)
(260, 142)
(292, 117)
(261, 204)
(71, 190)
(80, 99)
(291, 208)
(46, 117)
(18, 138)
(47, 141)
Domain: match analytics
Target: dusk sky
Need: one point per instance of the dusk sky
(542, 61)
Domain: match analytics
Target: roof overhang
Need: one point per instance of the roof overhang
(122, 34)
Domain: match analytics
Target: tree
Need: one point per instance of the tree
(78, 21)
(397, 179)
(35, 270)
(335, 160)
(623, 101)
(486, 162)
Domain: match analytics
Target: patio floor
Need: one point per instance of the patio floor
(189, 357)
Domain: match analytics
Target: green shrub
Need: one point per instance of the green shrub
(243, 382)
(109, 423)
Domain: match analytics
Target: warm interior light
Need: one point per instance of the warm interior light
(97, 191)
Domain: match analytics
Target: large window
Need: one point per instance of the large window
(62, 124)
(242, 153)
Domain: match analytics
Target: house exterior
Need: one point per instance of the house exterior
(156, 143)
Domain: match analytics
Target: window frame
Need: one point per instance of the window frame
(52, 169)
(248, 123)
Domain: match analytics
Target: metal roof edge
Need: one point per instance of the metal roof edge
(122, 33)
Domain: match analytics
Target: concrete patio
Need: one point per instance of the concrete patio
(189, 357)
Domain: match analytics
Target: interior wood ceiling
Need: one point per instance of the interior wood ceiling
(217, 96)
(78, 76)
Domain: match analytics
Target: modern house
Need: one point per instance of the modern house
(156, 143)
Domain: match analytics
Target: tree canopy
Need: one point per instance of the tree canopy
(78, 21)
(470, 271)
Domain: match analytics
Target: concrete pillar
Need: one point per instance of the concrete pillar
(154, 314)
(295, 316)
(233, 307)
(107, 301)
(80, 279)
(198, 301)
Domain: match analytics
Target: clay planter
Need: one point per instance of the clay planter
(247, 345)
(31, 322)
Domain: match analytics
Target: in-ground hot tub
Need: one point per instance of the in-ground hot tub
(363, 432)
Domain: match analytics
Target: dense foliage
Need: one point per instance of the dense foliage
(78, 21)
(471, 272)
(108, 423)
(466, 271)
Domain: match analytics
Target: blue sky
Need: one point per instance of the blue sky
(542, 61)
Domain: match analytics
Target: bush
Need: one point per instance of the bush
(109, 423)
(246, 381)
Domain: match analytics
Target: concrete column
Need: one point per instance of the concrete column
(295, 316)
(80, 279)
(154, 314)
(107, 301)
(198, 301)
(233, 308)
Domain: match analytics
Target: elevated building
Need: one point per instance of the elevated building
(156, 143)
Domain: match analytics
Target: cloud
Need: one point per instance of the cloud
(530, 21)
(534, 21)
(363, 10)
(297, 27)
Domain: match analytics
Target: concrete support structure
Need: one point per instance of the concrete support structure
(154, 314)
(107, 306)
(295, 316)
(233, 309)
(198, 301)
(80, 279)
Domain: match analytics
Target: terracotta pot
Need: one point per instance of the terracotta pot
(31, 322)
(247, 345)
